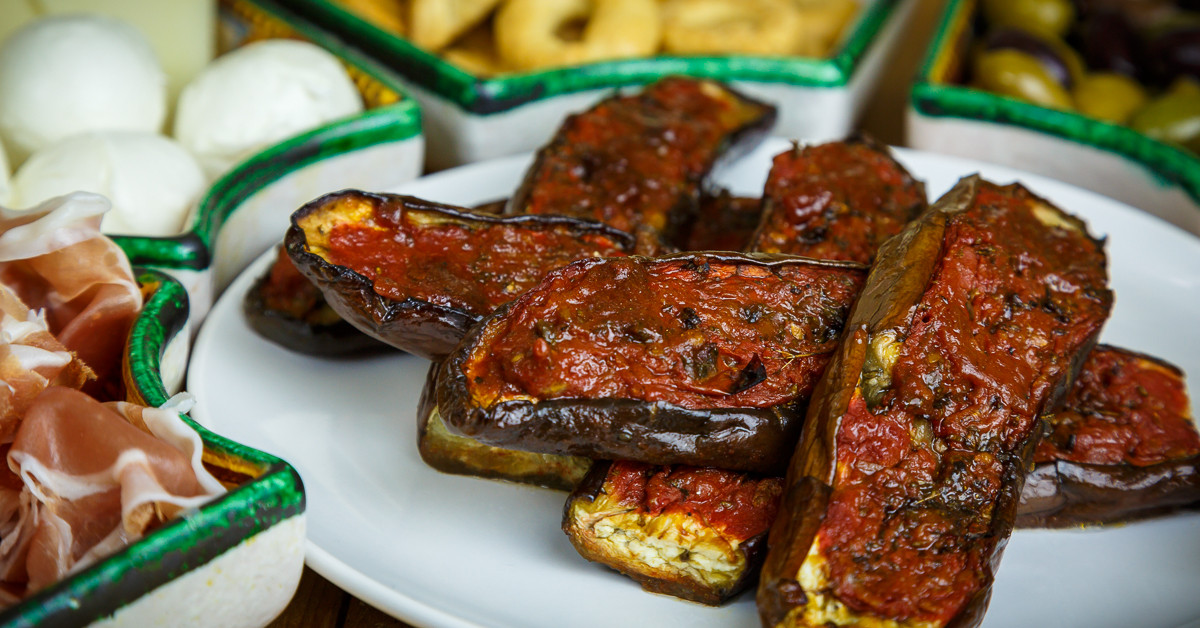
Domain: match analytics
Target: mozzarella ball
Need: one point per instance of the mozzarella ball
(151, 181)
(64, 75)
(5, 187)
(259, 95)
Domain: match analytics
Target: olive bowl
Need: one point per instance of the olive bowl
(246, 210)
(235, 561)
(472, 118)
(947, 116)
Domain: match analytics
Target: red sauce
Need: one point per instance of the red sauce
(909, 533)
(737, 505)
(1124, 408)
(466, 264)
(289, 292)
(836, 201)
(639, 159)
(696, 332)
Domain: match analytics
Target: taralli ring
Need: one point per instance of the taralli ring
(529, 32)
(756, 27)
(436, 23)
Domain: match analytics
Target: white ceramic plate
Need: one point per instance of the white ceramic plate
(444, 550)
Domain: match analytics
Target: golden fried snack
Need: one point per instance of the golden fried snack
(436, 23)
(529, 33)
(821, 25)
(756, 27)
(386, 14)
(475, 53)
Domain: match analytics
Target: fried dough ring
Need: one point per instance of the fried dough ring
(754, 27)
(527, 31)
(436, 23)
(386, 14)
(822, 24)
(475, 53)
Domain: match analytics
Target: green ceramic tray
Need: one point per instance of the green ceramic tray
(938, 93)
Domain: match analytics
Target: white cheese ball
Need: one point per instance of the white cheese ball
(151, 180)
(4, 173)
(65, 75)
(259, 95)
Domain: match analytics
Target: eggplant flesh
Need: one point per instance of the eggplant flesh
(639, 160)
(416, 274)
(662, 531)
(901, 437)
(460, 455)
(707, 359)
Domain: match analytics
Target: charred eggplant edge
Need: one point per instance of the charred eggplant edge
(742, 439)
(414, 325)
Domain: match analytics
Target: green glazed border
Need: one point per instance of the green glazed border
(483, 96)
(392, 123)
(934, 96)
(188, 542)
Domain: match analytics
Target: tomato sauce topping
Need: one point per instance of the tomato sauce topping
(474, 265)
(738, 505)
(921, 465)
(639, 159)
(1124, 408)
(839, 201)
(695, 331)
(291, 293)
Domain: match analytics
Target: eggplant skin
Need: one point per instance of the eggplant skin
(757, 439)
(673, 553)
(1062, 494)
(318, 332)
(413, 324)
(459, 455)
(803, 580)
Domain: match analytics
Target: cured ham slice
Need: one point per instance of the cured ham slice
(96, 477)
(54, 257)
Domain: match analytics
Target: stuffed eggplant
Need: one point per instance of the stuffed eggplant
(695, 533)
(1123, 447)
(452, 453)
(638, 160)
(905, 485)
(724, 223)
(416, 274)
(839, 200)
(286, 308)
(702, 359)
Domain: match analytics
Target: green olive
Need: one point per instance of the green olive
(1109, 96)
(1020, 75)
(1174, 116)
(1051, 17)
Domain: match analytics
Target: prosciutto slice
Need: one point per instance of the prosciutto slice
(54, 257)
(94, 478)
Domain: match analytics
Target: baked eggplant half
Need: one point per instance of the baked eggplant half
(704, 359)
(416, 274)
(724, 223)
(284, 307)
(695, 533)
(1123, 447)
(905, 485)
(451, 453)
(839, 200)
(639, 159)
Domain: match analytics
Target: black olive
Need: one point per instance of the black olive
(1176, 53)
(1060, 62)
(1109, 44)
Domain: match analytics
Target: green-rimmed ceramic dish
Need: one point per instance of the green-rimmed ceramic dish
(469, 118)
(247, 209)
(948, 117)
(235, 561)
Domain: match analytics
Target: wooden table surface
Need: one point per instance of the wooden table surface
(320, 604)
